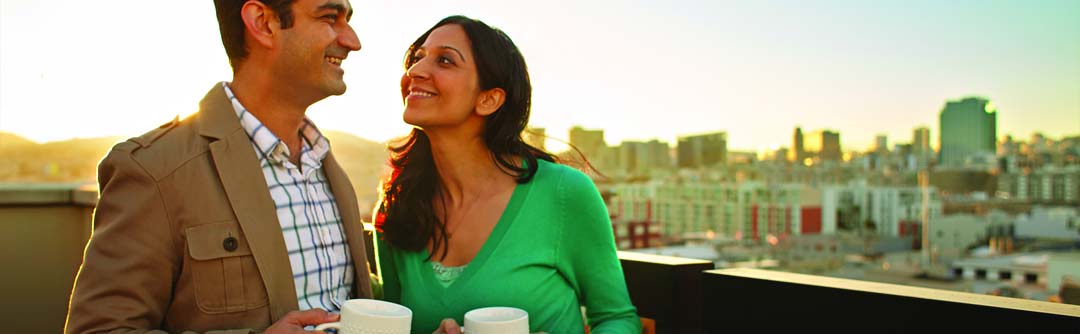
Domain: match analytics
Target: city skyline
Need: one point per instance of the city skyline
(913, 138)
(559, 142)
(637, 70)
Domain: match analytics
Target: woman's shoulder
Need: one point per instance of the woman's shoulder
(563, 179)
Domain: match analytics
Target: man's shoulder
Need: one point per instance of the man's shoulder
(147, 139)
(165, 148)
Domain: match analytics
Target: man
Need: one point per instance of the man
(236, 219)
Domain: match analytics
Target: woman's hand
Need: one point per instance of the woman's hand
(448, 326)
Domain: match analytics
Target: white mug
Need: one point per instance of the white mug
(496, 320)
(369, 316)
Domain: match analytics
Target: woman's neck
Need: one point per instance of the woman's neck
(467, 170)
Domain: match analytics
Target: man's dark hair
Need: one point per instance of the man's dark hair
(232, 25)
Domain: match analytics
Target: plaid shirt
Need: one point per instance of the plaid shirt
(306, 210)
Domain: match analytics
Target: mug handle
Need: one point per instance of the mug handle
(329, 325)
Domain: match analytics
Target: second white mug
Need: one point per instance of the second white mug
(497, 320)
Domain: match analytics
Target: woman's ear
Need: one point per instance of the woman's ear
(489, 101)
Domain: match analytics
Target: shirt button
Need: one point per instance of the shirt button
(230, 244)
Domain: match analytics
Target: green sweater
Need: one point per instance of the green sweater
(551, 252)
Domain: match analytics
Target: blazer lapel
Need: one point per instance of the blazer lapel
(241, 175)
(347, 204)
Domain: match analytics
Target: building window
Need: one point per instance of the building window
(957, 272)
(1005, 275)
(980, 273)
(1031, 278)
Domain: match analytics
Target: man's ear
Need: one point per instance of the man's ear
(489, 101)
(259, 23)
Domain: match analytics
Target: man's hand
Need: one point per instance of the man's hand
(294, 322)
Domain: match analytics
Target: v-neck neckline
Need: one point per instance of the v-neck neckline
(451, 292)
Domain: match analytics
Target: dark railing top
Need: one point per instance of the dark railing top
(20, 194)
(659, 259)
(903, 291)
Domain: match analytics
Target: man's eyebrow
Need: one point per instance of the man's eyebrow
(340, 8)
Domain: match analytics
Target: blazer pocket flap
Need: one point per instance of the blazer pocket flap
(216, 240)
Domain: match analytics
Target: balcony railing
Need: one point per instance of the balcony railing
(763, 301)
(43, 229)
(46, 228)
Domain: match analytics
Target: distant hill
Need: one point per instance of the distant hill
(76, 160)
(13, 140)
(66, 161)
(73, 160)
(364, 161)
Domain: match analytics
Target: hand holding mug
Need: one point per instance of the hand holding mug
(295, 321)
(489, 320)
(369, 316)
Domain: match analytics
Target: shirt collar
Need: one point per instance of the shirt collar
(314, 149)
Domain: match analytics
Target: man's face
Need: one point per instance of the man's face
(315, 46)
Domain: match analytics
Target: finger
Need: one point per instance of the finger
(449, 326)
(309, 317)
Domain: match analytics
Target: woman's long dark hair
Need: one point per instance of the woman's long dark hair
(406, 216)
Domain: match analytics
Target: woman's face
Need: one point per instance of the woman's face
(441, 87)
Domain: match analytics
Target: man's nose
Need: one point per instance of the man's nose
(348, 39)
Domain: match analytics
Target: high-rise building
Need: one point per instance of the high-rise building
(535, 137)
(589, 142)
(881, 144)
(781, 155)
(702, 150)
(826, 143)
(903, 149)
(830, 146)
(1008, 146)
(968, 130)
(799, 151)
(639, 158)
(920, 141)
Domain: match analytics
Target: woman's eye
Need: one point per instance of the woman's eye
(446, 60)
(331, 17)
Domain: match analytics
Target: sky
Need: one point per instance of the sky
(637, 69)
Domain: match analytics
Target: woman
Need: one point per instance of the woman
(472, 216)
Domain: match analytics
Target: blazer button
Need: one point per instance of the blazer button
(230, 244)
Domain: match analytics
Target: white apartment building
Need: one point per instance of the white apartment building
(1060, 223)
(1027, 268)
(950, 236)
(756, 210)
(740, 210)
(894, 211)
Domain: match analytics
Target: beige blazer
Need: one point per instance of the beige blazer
(159, 258)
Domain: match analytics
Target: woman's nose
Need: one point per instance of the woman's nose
(417, 71)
